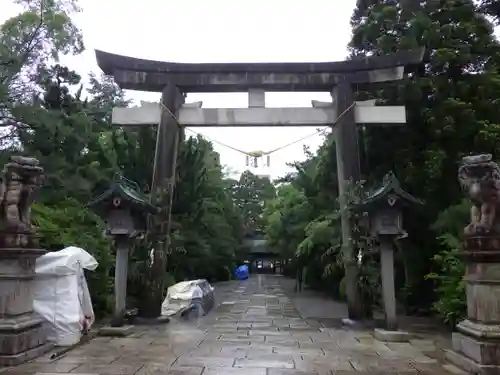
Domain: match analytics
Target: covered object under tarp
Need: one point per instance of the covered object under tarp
(242, 272)
(187, 296)
(62, 296)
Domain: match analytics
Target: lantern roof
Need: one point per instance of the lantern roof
(127, 190)
(389, 192)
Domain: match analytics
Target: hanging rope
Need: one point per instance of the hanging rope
(220, 143)
(261, 153)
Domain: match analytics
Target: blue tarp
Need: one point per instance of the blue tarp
(241, 272)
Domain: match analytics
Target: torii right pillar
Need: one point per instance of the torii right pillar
(476, 345)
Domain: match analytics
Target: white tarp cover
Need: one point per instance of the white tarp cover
(61, 294)
(179, 296)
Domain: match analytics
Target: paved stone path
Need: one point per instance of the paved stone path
(256, 330)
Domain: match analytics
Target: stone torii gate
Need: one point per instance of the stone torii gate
(175, 80)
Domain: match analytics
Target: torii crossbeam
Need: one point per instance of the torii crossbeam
(149, 75)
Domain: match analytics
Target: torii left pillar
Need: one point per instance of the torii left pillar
(169, 136)
(348, 170)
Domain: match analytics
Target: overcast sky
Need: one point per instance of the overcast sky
(197, 31)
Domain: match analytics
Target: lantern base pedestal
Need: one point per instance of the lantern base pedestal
(151, 321)
(391, 336)
(354, 324)
(476, 348)
(122, 331)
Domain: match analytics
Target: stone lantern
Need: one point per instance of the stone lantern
(384, 207)
(22, 332)
(124, 210)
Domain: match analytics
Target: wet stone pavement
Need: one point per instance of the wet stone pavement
(255, 330)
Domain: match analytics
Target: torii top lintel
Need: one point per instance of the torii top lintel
(149, 75)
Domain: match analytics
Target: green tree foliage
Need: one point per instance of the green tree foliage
(208, 227)
(491, 8)
(41, 33)
(45, 112)
(450, 301)
(286, 216)
(303, 222)
(249, 194)
(61, 133)
(451, 100)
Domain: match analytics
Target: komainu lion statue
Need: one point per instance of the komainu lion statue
(22, 177)
(479, 178)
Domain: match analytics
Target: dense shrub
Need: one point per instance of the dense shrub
(450, 301)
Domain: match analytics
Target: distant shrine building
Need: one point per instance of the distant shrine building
(262, 258)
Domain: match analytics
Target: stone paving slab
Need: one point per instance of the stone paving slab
(255, 330)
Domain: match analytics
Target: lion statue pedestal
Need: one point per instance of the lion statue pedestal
(476, 345)
(22, 332)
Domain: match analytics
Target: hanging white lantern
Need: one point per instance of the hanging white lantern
(254, 158)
